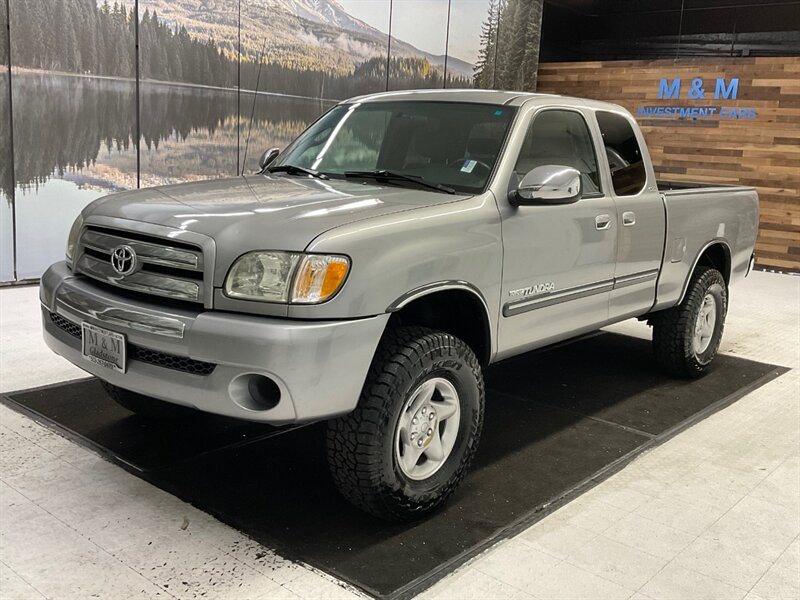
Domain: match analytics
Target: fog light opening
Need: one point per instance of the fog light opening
(255, 392)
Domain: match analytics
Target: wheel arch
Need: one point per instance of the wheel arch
(455, 307)
(715, 254)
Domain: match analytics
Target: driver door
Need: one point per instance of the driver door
(558, 260)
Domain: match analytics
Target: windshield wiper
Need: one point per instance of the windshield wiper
(395, 176)
(295, 170)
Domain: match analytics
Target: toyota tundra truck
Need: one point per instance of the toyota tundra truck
(372, 269)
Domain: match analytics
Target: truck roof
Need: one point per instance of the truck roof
(508, 98)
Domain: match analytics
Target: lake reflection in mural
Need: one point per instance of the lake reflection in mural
(75, 143)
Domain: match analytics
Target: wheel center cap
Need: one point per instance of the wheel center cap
(423, 425)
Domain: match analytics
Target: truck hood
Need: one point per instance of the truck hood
(263, 211)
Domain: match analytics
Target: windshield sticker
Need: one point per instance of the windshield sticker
(468, 166)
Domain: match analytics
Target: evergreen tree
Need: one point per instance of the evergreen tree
(484, 68)
(509, 53)
(87, 38)
(3, 40)
(530, 58)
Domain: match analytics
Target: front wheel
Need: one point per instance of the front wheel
(686, 338)
(408, 444)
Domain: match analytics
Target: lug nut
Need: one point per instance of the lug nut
(424, 410)
(419, 443)
(414, 421)
(432, 416)
(413, 434)
(430, 431)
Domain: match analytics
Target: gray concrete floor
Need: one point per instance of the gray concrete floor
(713, 513)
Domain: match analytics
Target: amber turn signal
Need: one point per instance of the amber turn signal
(318, 278)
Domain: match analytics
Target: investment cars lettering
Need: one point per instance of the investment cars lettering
(671, 89)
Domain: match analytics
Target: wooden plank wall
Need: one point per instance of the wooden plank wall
(763, 152)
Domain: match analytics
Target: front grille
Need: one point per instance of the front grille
(65, 324)
(142, 354)
(170, 361)
(162, 267)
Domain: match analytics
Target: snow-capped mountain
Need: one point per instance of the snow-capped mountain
(328, 12)
(310, 32)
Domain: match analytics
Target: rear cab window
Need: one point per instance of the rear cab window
(628, 174)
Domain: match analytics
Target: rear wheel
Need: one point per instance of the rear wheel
(408, 444)
(145, 406)
(686, 338)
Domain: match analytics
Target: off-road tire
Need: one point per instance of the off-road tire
(145, 406)
(673, 329)
(360, 445)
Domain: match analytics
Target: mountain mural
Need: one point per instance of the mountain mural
(313, 34)
(92, 113)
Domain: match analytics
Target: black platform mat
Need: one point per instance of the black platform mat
(557, 422)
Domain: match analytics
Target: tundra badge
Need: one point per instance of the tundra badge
(533, 290)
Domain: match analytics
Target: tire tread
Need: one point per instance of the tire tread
(673, 328)
(355, 441)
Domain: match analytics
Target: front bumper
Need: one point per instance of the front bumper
(319, 367)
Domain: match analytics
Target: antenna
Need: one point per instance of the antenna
(255, 98)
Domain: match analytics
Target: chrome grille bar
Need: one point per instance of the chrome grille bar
(141, 281)
(164, 269)
(147, 252)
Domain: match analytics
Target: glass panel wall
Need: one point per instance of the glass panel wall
(472, 41)
(6, 166)
(188, 67)
(297, 64)
(516, 56)
(218, 84)
(419, 45)
(73, 117)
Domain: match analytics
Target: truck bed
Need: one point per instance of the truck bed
(699, 215)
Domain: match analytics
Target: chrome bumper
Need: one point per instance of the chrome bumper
(319, 367)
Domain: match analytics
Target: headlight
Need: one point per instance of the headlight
(270, 276)
(72, 239)
(261, 276)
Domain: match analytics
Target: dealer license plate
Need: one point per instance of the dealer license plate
(103, 347)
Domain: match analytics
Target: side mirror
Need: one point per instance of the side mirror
(267, 158)
(548, 184)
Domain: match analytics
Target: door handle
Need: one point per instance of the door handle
(628, 218)
(602, 222)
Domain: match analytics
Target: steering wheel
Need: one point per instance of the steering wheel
(478, 163)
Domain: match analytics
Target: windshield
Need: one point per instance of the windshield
(445, 143)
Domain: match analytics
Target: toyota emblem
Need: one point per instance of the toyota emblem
(123, 259)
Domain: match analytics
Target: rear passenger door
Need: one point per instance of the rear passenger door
(558, 260)
(641, 216)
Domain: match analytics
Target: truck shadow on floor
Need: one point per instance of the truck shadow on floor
(554, 419)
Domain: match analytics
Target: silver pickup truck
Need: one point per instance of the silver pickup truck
(373, 268)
